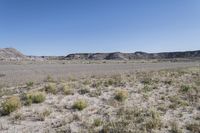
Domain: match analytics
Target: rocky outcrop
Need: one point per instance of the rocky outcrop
(11, 54)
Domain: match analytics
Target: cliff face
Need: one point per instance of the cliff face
(131, 56)
(10, 53)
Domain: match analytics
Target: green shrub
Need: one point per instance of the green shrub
(51, 88)
(11, 104)
(34, 97)
(80, 104)
(121, 95)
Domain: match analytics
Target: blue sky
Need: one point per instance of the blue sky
(60, 27)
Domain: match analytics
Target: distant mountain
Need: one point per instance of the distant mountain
(11, 54)
(132, 56)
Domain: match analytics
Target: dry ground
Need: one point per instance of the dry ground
(20, 73)
(129, 101)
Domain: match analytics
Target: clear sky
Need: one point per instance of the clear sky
(60, 27)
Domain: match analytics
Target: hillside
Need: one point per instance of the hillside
(11, 53)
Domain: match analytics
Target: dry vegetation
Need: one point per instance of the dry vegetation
(166, 101)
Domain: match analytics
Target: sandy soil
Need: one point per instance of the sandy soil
(12, 74)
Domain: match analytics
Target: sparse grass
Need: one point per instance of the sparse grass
(135, 120)
(51, 88)
(176, 102)
(97, 122)
(154, 121)
(29, 84)
(49, 79)
(194, 127)
(175, 127)
(34, 97)
(185, 88)
(80, 104)
(84, 90)
(146, 81)
(121, 95)
(11, 104)
(42, 115)
(17, 116)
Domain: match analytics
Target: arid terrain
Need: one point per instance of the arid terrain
(135, 97)
(76, 94)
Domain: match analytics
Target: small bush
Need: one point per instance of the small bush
(50, 88)
(97, 122)
(67, 89)
(185, 88)
(121, 95)
(29, 84)
(80, 104)
(11, 104)
(34, 97)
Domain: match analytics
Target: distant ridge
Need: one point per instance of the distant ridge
(13, 54)
(132, 56)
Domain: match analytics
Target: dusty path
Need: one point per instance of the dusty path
(18, 74)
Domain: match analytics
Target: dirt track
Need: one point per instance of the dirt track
(19, 74)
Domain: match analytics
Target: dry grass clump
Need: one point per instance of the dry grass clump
(29, 84)
(80, 104)
(50, 88)
(17, 116)
(121, 95)
(49, 79)
(175, 128)
(154, 120)
(176, 102)
(34, 97)
(67, 89)
(97, 122)
(10, 105)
